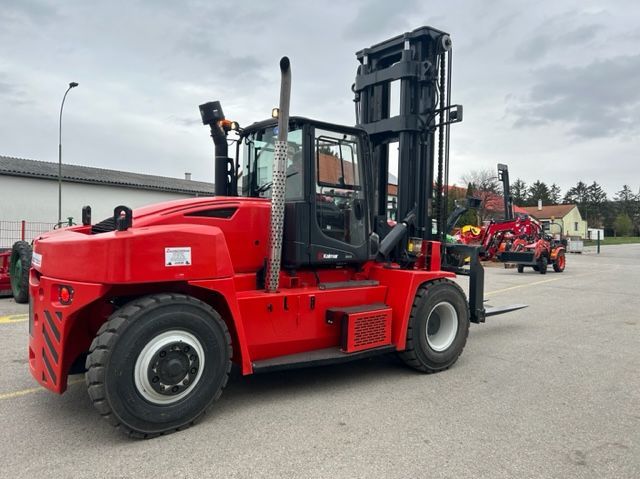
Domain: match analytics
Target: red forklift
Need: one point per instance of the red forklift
(292, 263)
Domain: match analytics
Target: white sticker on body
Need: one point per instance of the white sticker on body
(177, 256)
(36, 260)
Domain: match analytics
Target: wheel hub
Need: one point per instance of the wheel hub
(442, 326)
(169, 366)
(173, 368)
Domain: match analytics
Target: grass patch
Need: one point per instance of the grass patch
(614, 240)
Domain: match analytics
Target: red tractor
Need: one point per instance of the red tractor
(518, 238)
(291, 264)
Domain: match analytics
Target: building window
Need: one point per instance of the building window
(575, 226)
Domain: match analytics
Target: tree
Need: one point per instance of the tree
(485, 187)
(539, 191)
(483, 180)
(626, 200)
(577, 194)
(519, 192)
(596, 199)
(623, 225)
(628, 203)
(555, 194)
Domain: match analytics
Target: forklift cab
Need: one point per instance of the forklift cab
(326, 204)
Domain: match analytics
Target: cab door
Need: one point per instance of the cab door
(339, 229)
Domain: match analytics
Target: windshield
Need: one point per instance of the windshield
(256, 163)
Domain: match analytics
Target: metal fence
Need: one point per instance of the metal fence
(12, 231)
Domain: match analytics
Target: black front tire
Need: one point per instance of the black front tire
(420, 352)
(520, 268)
(542, 265)
(19, 266)
(114, 364)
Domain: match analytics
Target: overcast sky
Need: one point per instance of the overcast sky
(552, 88)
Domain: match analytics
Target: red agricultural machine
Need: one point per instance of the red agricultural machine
(291, 264)
(517, 239)
(14, 271)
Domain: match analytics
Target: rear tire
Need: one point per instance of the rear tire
(520, 268)
(438, 327)
(158, 364)
(560, 262)
(542, 264)
(19, 266)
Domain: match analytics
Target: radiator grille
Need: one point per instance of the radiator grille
(369, 329)
(365, 327)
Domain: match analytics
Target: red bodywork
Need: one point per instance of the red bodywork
(5, 282)
(228, 240)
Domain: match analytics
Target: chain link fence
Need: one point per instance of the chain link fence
(12, 231)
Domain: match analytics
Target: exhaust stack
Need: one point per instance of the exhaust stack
(272, 278)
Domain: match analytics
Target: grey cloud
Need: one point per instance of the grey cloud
(32, 11)
(379, 15)
(554, 35)
(11, 92)
(596, 100)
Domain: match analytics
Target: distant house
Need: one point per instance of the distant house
(560, 217)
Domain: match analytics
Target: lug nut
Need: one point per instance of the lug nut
(186, 349)
(174, 389)
(155, 379)
(193, 370)
(163, 354)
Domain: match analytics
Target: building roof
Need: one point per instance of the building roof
(10, 166)
(557, 211)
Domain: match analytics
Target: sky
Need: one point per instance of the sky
(551, 88)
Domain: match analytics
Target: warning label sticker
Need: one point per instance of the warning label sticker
(177, 256)
(36, 260)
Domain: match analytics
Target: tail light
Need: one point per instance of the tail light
(65, 294)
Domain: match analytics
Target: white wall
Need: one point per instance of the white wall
(35, 199)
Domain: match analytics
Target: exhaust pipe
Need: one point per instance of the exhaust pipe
(272, 279)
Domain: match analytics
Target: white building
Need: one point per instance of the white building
(29, 193)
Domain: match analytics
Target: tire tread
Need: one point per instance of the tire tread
(106, 337)
(409, 355)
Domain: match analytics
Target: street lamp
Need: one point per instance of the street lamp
(71, 85)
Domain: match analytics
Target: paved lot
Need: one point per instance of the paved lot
(549, 391)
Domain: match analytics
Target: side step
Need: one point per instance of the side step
(320, 357)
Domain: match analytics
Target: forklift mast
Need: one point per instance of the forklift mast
(417, 67)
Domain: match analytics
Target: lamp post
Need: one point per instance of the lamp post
(71, 85)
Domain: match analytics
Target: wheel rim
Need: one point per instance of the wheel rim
(169, 367)
(442, 326)
(16, 276)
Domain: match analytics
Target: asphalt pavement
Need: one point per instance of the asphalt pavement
(549, 391)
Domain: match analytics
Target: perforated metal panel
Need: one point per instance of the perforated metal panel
(277, 216)
(366, 330)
